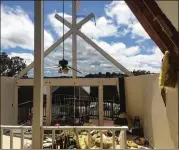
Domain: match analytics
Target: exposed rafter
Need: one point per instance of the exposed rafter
(156, 24)
(171, 32)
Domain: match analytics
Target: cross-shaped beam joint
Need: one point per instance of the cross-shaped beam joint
(94, 45)
(79, 25)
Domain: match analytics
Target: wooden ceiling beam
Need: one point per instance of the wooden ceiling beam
(154, 29)
(172, 33)
(144, 22)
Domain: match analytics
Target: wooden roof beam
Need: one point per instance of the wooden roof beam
(171, 31)
(154, 29)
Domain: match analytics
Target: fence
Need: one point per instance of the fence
(25, 111)
(68, 106)
(69, 110)
(122, 136)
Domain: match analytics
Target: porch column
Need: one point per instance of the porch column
(74, 38)
(100, 105)
(38, 74)
(16, 104)
(48, 106)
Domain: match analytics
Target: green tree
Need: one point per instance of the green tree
(140, 72)
(114, 74)
(4, 61)
(108, 74)
(11, 66)
(100, 74)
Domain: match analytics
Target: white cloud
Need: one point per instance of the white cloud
(28, 58)
(117, 11)
(92, 66)
(103, 28)
(120, 12)
(17, 30)
(116, 49)
(138, 30)
(57, 25)
(89, 60)
(129, 57)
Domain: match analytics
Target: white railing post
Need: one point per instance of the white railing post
(101, 139)
(100, 105)
(122, 136)
(22, 138)
(53, 138)
(123, 139)
(48, 106)
(42, 136)
(89, 139)
(1, 142)
(113, 140)
(11, 138)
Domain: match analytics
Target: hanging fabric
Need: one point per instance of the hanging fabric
(168, 76)
(122, 95)
(78, 4)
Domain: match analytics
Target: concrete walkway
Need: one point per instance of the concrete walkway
(16, 142)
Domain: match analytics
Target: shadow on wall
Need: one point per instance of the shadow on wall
(143, 98)
(172, 113)
(161, 122)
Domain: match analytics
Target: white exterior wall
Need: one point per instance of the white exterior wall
(160, 123)
(8, 101)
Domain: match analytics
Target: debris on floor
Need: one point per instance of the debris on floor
(79, 140)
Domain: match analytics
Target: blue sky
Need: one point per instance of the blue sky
(117, 31)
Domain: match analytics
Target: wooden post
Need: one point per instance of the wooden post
(16, 104)
(38, 74)
(123, 139)
(178, 100)
(100, 105)
(112, 110)
(48, 106)
(74, 41)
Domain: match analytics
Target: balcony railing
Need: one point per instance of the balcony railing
(122, 136)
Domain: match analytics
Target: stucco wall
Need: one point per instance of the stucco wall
(7, 101)
(160, 123)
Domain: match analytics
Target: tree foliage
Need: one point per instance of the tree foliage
(140, 72)
(4, 61)
(114, 74)
(11, 66)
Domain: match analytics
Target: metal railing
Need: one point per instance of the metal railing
(83, 105)
(25, 109)
(122, 136)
